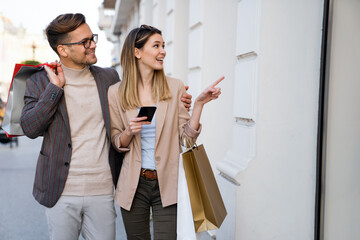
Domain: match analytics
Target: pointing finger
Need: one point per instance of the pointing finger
(217, 81)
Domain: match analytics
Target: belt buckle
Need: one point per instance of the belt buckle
(143, 171)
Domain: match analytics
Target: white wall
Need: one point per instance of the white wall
(275, 199)
(341, 163)
(218, 59)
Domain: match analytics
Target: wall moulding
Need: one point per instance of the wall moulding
(248, 122)
(230, 168)
(248, 56)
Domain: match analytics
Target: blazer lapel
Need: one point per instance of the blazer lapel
(161, 110)
(63, 111)
(102, 89)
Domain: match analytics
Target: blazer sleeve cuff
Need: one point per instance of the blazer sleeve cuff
(192, 133)
(118, 145)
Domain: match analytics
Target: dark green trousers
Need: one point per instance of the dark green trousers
(137, 220)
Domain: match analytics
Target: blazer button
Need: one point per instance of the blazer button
(66, 164)
(69, 145)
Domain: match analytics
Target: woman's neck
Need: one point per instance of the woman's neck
(146, 77)
(145, 87)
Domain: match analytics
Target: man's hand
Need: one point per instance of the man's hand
(59, 79)
(186, 99)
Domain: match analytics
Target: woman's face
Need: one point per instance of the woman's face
(152, 54)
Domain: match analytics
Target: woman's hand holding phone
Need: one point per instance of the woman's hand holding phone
(135, 125)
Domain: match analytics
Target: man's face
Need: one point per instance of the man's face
(77, 55)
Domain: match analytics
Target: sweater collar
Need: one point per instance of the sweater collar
(75, 73)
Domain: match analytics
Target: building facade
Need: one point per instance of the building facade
(268, 135)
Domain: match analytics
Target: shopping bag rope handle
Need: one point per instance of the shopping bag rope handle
(188, 145)
(46, 64)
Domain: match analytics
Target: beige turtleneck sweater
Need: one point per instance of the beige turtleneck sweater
(89, 172)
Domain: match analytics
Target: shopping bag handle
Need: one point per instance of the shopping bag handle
(19, 65)
(188, 145)
(46, 64)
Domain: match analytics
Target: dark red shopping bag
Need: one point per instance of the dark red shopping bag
(15, 102)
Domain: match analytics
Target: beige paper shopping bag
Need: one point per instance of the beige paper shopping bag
(206, 202)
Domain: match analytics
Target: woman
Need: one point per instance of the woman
(149, 172)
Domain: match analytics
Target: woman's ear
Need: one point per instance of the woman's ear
(137, 53)
(62, 51)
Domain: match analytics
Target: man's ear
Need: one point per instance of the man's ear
(137, 53)
(62, 51)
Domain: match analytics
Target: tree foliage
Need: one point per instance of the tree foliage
(31, 62)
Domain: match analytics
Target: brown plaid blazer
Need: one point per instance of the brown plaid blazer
(44, 114)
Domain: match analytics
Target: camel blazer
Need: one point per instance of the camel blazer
(44, 114)
(171, 127)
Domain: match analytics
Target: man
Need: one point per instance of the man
(77, 166)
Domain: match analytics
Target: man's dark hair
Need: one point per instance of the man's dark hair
(57, 31)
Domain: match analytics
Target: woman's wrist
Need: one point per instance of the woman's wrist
(198, 104)
(127, 132)
(125, 138)
(196, 114)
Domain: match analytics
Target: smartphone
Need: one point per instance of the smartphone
(148, 111)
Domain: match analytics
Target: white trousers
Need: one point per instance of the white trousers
(93, 216)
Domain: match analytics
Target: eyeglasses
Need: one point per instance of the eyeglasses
(86, 43)
(143, 27)
(146, 27)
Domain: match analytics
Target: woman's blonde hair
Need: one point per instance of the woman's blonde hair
(128, 90)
